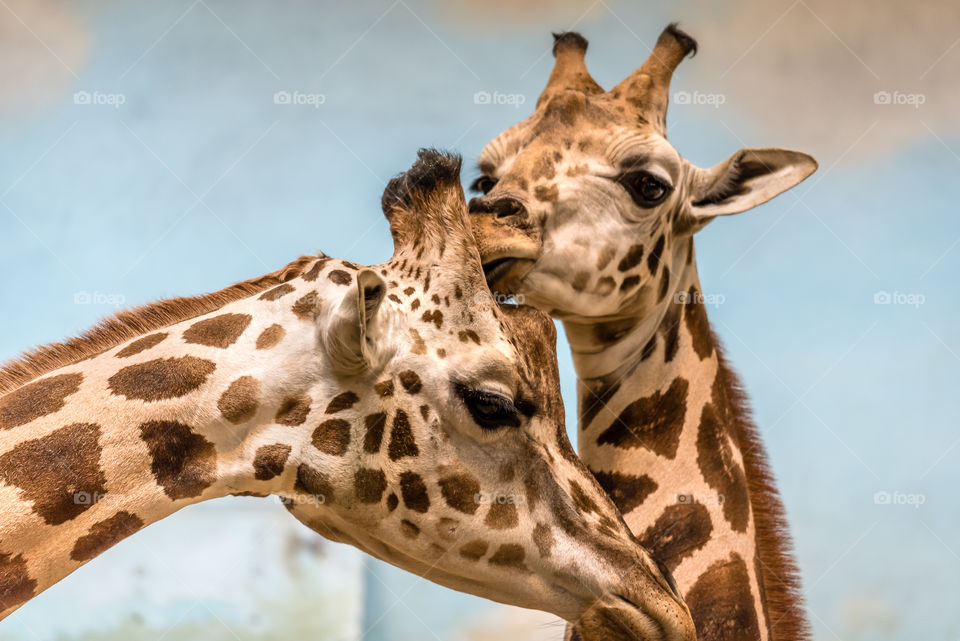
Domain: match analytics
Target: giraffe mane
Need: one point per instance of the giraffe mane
(131, 323)
(781, 577)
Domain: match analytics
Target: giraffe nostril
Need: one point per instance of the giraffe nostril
(507, 207)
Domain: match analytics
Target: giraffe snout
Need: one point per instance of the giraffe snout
(502, 207)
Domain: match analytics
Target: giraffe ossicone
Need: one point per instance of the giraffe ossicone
(384, 407)
(589, 214)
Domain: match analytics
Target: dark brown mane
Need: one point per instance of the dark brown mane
(130, 323)
(786, 614)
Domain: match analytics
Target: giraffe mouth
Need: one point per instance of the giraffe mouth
(504, 274)
(495, 269)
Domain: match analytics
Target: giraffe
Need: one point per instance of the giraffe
(380, 403)
(589, 213)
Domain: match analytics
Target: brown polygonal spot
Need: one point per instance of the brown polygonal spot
(374, 424)
(269, 460)
(509, 555)
(313, 483)
(293, 411)
(720, 470)
(184, 462)
(270, 336)
(342, 401)
(460, 491)
(240, 401)
(681, 530)
(220, 331)
(695, 315)
(627, 491)
(340, 277)
(277, 292)
(473, 550)
(305, 307)
(653, 422)
(369, 485)
(161, 378)
(37, 399)
(414, 492)
(401, 438)
(16, 586)
(410, 381)
(721, 602)
(59, 473)
(332, 437)
(141, 345)
(502, 516)
(544, 539)
(105, 534)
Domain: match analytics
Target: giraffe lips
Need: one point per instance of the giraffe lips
(505, 274)
(495, 269)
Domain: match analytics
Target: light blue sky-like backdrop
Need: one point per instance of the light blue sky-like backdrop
(199, 179)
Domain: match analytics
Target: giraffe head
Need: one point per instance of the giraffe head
(455, 463)
(588, 210)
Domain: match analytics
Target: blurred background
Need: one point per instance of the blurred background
(172, 148)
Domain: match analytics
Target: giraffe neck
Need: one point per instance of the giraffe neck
(94, 451)
(664, 428)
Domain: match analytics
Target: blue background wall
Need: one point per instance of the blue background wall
(183, 174)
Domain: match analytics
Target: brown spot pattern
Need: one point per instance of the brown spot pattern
(332, 437)
(305, 308)
(543, 539)
(410, 381)
(459, 491)
(184, 462)
(270, 336)
(720, 470)
(340, 277)
(53, 471)
(509, 555)
(414, 492)
(161, 378)
(16, 586)
(627, 491)
(141, 345)
(721, 602)
(37, 399)
(502, 516)
(220, 331)
(269, 460)
(474, 550)
(293, 411)
(240, 401)
(374, 435)
(277, 292)
(468, 335)
(631, 259)
(681, 530)
(401, 438)
(653, 422)
(695, 315)
(342, 401)
(369, 485)
(103, 535)
(313, 482)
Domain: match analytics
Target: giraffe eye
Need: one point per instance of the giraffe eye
(483, 184)
(646, 189)
(490, 411)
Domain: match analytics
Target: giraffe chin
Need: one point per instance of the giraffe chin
(616, 618)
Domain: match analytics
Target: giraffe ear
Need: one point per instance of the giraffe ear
(351, 339)
(746, 179)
